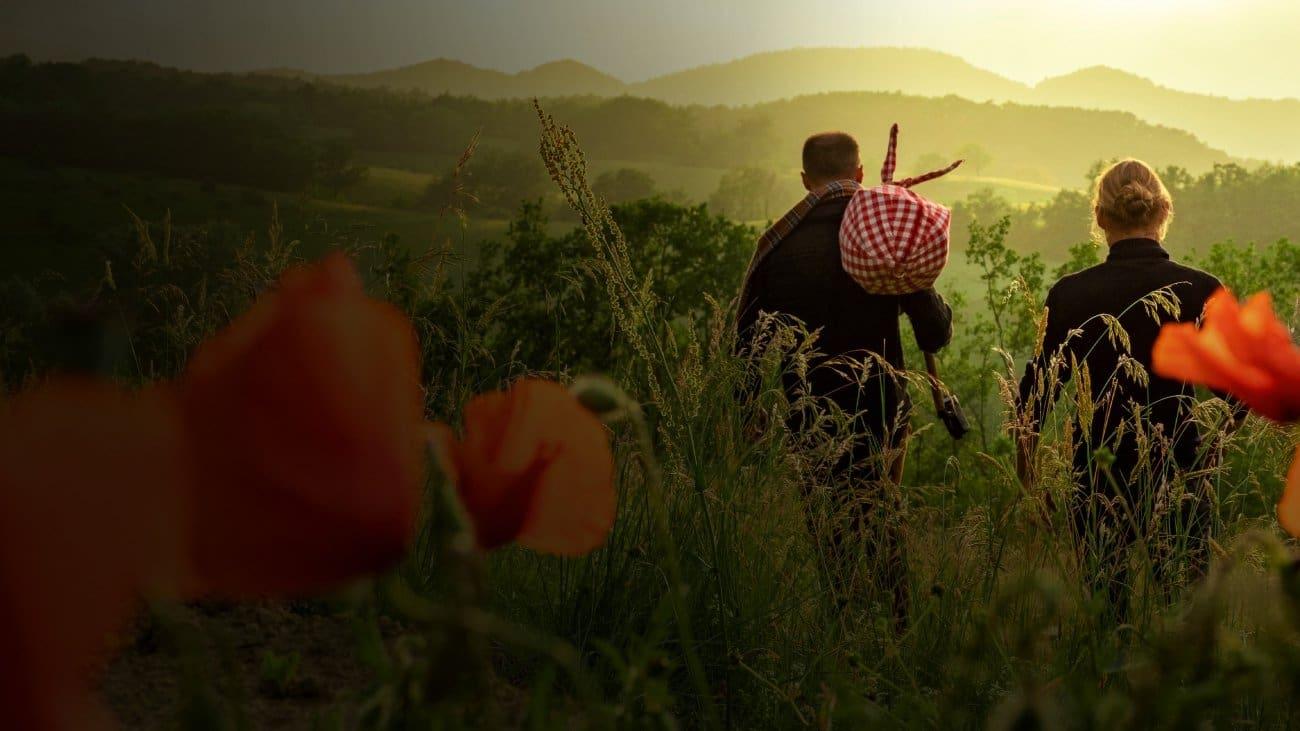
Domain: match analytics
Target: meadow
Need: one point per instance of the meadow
(729, 618)
(712, 603)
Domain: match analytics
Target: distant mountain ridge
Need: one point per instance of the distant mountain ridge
(755, 79)
(776, 75)
(1263, 129)
(129, 104)
(445, 76)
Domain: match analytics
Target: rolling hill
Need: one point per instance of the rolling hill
(777, 75)
(1248, 128)
(753, 79)
(1266, 129)
(76, 114)
(1035, 144)
(445, 76)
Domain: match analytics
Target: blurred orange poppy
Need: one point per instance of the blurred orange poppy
(1241, 349)
(305, 415)
(1247, 352)
(93, 484)
(534, 466)
(1288, 508)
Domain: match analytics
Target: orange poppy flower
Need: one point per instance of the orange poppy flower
(1247, 352)
(1288, 508)
(305, 414)
(534, 466)
(1241, 349)
(93, 484)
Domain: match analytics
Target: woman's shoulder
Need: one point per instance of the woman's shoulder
(1195, 273)
(1083, 279)
(1198, 278)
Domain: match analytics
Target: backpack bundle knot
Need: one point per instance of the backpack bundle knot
(892, 239)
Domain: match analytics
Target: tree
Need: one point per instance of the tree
(1096, 169)
(927, 162)
(1177, 178)
(624, 185)
(335, 171)
(975, 156)
(984, 206)
(754, 138)
(497, 179)
(542, 286)
(747, 194)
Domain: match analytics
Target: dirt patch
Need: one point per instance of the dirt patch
(282, 665)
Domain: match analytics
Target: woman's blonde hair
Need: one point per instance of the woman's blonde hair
(1130, 197)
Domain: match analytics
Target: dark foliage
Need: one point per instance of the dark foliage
(548, 317)
(136, 118)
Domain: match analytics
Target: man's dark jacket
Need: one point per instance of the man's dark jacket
(1133, 270)
(803, 278)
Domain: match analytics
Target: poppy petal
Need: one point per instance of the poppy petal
(535, 467)
(1243, 350)
(1180, 353)
(576, 503)
(305, 414)
(93, 516)
(1288, 508)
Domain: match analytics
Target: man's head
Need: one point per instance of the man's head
(828, 157)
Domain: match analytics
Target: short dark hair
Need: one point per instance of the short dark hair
(830, 156)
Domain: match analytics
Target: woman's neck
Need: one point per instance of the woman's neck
(1113, 237)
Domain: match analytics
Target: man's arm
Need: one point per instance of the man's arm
(931, 319)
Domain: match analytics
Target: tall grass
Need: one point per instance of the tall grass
(1006, 623)
(717, 601)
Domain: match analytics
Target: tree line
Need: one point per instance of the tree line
(115, 117)
(119, 113)
(1228, 203)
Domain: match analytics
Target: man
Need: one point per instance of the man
(797, 272)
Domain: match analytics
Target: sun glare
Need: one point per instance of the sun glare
(1127, 8)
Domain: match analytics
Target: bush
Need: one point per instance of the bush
(495, 180)
(547, 314)
(624, 185)
(751, 194)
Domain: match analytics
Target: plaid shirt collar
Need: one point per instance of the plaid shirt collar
(782, 228)
(773, 236)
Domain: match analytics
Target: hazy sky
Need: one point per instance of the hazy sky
(1230, 47)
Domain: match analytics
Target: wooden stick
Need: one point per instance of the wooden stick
(936, 390)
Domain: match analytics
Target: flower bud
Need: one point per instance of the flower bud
(601, 397)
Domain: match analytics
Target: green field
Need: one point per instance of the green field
(262, 467)
(68, 220)
(385, 185)
(1001, 608)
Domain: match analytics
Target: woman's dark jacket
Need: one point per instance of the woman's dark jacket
(1121, 287)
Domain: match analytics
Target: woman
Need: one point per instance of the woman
(1134, 430)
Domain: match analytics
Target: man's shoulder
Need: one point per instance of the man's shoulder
(829, 211)
(820, 225)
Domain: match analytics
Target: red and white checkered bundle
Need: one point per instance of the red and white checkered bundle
(893, 240)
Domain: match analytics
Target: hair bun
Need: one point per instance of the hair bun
(1130, 197)
(1135, 199)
